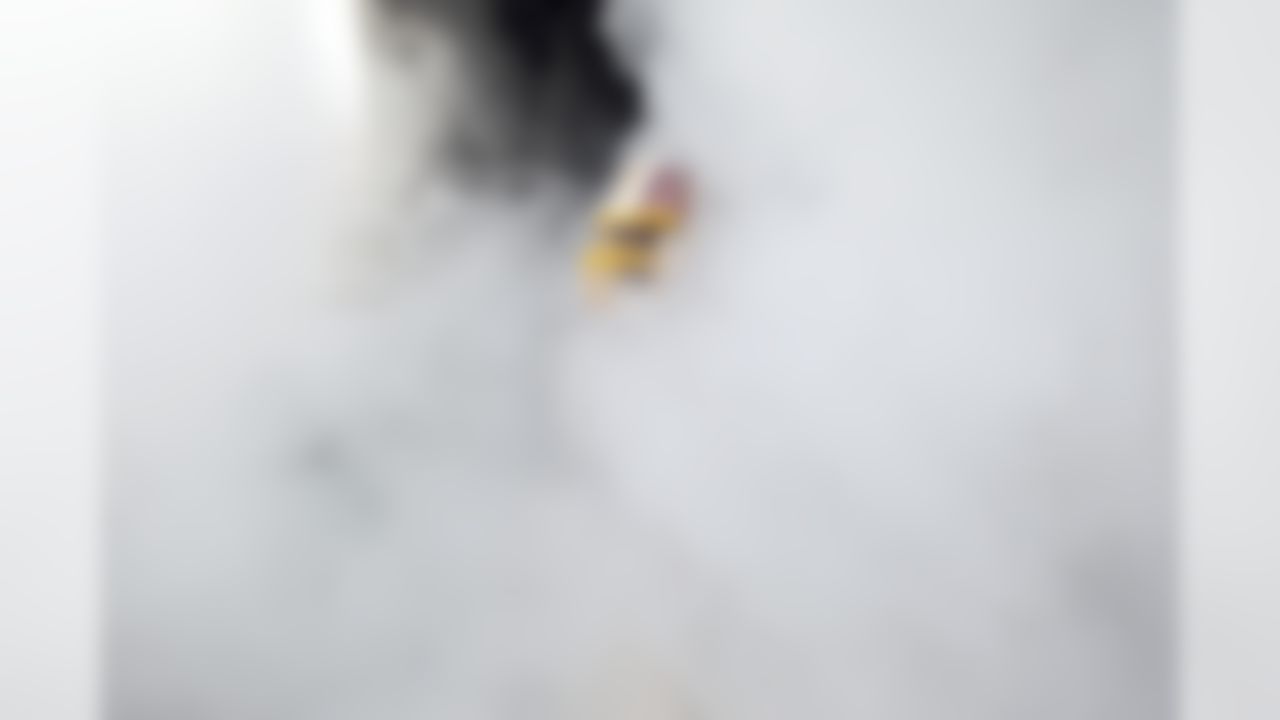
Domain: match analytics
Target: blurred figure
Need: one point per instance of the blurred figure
(646, 206)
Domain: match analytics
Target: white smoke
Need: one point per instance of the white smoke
(889, 441)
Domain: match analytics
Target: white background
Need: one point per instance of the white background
(1230, 261)
(49, 394)
(50, 349)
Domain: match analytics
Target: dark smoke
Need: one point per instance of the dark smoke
(550, 96)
